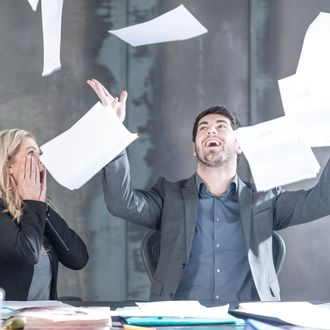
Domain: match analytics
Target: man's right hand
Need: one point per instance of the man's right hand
(119, 106)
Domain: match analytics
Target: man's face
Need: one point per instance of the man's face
(215, 142)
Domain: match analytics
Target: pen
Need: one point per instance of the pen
(135, 327)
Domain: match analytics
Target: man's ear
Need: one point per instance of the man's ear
(194, 149)
(10, 169)
(238, 148)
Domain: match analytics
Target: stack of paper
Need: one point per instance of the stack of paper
(302, 314)
(54, 313)
(167, 313)
(276, 153)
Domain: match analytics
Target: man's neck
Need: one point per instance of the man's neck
(216, 179)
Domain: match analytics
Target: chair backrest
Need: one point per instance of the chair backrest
(150, 250)
(279, 251)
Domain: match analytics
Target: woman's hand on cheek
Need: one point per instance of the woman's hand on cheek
(28, 180)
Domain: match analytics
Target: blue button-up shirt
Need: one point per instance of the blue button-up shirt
(218, 271)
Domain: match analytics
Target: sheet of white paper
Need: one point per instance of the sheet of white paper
(303, 314)
(308, 107)
(33, 4)
(76, 155)
(51, 28)
(181, 309)
(315, 53)
(177, 24)
(276, 153)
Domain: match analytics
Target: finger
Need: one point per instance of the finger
(34, 170)
(123, 97)
(37, 170)
(28, 167)
(114, 103)
(122, 109)
(105, 91)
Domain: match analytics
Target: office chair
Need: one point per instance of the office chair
(150, 250)
(279, 251)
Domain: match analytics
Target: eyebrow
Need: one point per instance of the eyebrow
(205, 122)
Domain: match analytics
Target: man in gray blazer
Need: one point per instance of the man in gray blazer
(216, 230)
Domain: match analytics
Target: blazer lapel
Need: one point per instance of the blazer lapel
(190, 198)
(245, 205)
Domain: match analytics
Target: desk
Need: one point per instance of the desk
(118, 304)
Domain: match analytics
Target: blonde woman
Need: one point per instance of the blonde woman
(33, 237)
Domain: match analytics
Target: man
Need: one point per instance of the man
(216, 230)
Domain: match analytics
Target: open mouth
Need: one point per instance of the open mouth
(212, 143)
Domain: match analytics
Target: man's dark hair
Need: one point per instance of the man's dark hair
(218, 110)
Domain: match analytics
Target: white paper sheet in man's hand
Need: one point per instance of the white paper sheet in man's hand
(176, 24)
(76, 155)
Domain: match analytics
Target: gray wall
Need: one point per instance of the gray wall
(250, 45)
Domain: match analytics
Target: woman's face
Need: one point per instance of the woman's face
(28, 147)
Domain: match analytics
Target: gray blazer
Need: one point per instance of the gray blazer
(172, 208)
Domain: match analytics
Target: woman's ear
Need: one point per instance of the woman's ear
(10, 167)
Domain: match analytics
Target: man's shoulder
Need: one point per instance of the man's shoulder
(180, 184)
(269, 192)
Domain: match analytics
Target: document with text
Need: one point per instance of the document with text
(276, 153)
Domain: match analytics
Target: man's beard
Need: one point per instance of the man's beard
(212, 159)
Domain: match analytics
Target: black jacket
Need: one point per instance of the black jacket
(20, 245)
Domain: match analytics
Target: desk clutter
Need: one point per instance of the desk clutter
(52, 314)
(164, 315)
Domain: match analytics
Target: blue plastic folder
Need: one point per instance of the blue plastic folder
(172, 321)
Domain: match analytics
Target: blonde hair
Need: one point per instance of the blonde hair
(10, 142)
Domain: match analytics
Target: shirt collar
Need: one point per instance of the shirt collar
(232, 189)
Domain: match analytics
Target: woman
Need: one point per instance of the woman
(33, 237)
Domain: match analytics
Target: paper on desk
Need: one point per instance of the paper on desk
(177, 308)
(166, 313)
(298, 313)
(276, 153)
(51, 28)
(76, 155)
(176, 24)
(186, 308)
(10, 306)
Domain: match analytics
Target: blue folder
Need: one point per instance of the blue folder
(168, 321)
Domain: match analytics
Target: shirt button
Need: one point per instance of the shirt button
(217, 219)
(216, 297)
(217, 245)
(218, 270)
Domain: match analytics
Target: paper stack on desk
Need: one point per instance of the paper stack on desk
(55, 313)
(171, 313)
(299, 313)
